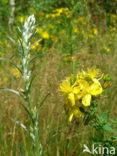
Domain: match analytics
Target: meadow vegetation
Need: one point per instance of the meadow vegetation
(74, 61)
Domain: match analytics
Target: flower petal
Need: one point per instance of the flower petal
(65, 86)
(86, 100)
(95, 88)
(75, 112)
(70, 117)
(71, 97)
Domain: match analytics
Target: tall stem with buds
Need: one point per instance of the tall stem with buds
(27, 32)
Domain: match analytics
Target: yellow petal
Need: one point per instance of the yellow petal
(75, 112)
(76, 90)
(79, 95)
(65, 86)
(95, 88)
(86, 100)
(71, 97)
(70, 117)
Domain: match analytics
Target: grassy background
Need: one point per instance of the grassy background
(86, 38)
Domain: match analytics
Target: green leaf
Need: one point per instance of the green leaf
(36, 42)
(13, 91)
(11, 39)
(114, 137)
(22, 125)
(103, 119)
(108, 127)
(31, 83)
(8, 60)
(21, 48)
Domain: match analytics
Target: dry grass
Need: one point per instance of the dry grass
(62, 137)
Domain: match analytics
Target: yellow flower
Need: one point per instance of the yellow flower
(76, 30)
(83, 88)
(39, 30)
(95, 32)
(57, 12)
(65, 86)
(69, 90)
(35, 46)
(71, 97)
(106, 49)
(93, 73)
(79, 90)
(86, 100)
(75, 112)
(20, 40)
(47, 16)
(15, 72)
(21, 19)
(45, 35)
(96, 88)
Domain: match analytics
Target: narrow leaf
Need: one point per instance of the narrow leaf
(22, 125)
(11, 39)
(21, 46)
(31, 82)
(13, 91)
(36, 42)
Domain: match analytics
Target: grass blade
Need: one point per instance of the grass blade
(43, 100)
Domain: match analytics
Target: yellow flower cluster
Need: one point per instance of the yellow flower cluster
(79, 89)
(15, 72)
(81, 20)
(44, 34)
(113, 18)
(92, 33)
(36, 46)
(22, 18)
(58, 12)
(106, 49)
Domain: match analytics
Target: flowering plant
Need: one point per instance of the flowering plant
(79, 90)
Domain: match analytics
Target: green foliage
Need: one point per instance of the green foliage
(74, 34)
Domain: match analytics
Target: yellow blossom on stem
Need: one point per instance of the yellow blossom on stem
(80, 89)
